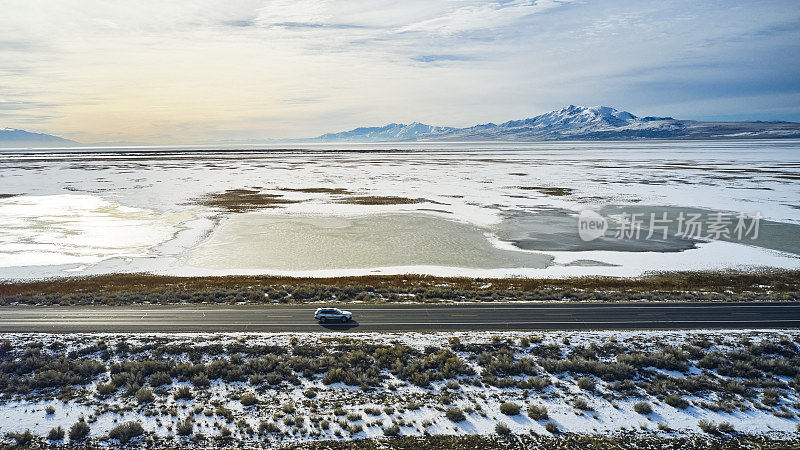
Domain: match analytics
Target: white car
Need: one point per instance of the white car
(331, 314)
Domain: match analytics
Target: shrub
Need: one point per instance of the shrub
(310, 393)
(586, 383)
(267, 427)
(256, 379)
(509, 409)
(22, 440)
(707, 426)
(551, 427)
(144, 395)
(643, 408)
(183, 393)
(224, 412)
(56, 434)
(248, 399)
(200, 380)
(676, 401)
(372, 411)
(106, 389)
(185, 427)
(392, 430)
(735, 387)
(537, 412)
(126, 431)
(770, 397)
(502, 429)
(726, 427)
(79, 431)
(455, 415)
(453, 384)
(159, 379)
(50, 410)
(582, 404)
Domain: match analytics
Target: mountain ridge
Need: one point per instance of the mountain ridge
(17, 137)
(571, 123)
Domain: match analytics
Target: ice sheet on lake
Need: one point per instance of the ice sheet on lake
(302, 243)
(76, 229)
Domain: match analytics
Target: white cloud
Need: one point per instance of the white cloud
(189, 70)
(481, 16)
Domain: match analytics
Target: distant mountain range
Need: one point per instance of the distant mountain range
(12, 137)
(572, 123)
(596, 123)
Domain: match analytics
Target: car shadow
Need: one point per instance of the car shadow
(339, 326)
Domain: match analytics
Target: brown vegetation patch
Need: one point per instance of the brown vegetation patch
(775, 285)
(318, 190)
(242, 200)
(553, 191)
(381, 200)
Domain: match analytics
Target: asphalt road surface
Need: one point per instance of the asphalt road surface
(401, 317)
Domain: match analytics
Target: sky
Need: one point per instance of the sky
(190, 71)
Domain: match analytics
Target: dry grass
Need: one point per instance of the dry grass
(774, 281)
(381, 200)
(552, 191)
(318, 190)
(242, 200)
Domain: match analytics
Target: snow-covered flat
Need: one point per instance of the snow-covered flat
(297, 387)
(475, 209)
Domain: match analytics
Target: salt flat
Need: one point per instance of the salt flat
(446, 208)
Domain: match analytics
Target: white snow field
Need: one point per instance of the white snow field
(483, 209)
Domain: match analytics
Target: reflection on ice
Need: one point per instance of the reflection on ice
(69, 229)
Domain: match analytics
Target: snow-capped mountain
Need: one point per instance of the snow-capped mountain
(12, 137)
(574, 123)
(391, 132)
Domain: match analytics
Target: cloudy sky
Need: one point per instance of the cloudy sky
(197, 70)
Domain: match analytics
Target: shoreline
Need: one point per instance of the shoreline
(123, 289)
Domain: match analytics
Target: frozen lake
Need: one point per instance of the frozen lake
(455, 209)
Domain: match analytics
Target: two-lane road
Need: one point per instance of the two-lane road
(563, 316)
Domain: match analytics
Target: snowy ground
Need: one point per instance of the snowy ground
(406, 384)
(69, 213)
